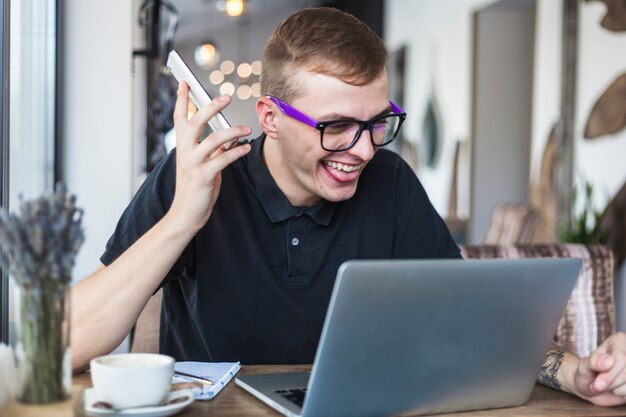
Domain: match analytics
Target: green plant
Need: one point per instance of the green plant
(584, 228)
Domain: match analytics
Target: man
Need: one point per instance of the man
(246, 242)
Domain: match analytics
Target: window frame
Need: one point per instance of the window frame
(57, 166)
(4, 158)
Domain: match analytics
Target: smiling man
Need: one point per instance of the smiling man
(326, 160)
(246, 242)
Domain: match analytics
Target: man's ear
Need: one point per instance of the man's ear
(265, 110)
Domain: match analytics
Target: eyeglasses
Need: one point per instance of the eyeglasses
(341, 135)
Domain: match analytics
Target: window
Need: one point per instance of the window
(30, 112)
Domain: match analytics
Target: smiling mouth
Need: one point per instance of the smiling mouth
(343, 167)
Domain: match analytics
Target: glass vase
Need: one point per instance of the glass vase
(42, 342)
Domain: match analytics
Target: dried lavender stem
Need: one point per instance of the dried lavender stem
(38, 246)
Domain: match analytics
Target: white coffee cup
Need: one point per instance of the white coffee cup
(132, 379)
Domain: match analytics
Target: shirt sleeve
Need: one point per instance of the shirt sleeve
(420, 231)
(147, 207)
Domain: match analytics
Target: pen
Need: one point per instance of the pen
(198, 378)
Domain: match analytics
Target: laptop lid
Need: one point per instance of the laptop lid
(432, 336)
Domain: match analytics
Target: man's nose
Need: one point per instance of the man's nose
(363, 147)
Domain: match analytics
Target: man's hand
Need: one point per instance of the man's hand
(199, 163)
(601, 377)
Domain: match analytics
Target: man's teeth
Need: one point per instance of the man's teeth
(343, 167)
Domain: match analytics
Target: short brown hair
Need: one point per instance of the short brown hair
(321, 40)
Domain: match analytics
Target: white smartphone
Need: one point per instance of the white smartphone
(197, 93)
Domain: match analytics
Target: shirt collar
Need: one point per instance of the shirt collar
(274, 202)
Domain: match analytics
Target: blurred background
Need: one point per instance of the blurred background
(514, 106)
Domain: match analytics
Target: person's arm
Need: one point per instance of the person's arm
(599, 378)
(106, 304)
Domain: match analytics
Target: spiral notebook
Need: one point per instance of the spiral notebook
(218, 373)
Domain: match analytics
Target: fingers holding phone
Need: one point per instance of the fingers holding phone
(189, 131)
(200, 162)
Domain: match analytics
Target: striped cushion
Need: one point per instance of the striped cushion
(590, 314)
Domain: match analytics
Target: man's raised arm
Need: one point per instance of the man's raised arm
(106, 305)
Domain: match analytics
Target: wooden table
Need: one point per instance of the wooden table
(234, 401)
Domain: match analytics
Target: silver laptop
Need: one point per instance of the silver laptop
(427, 336)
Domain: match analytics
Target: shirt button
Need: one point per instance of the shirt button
(295, 241)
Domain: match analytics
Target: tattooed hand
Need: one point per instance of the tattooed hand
(599, 378)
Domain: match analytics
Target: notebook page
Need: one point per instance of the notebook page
(218, 372)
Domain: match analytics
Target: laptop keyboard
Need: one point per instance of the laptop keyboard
(295, 395)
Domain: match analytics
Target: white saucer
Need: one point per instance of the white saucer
(154, 411)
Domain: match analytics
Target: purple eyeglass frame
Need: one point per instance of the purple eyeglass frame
(301, 117)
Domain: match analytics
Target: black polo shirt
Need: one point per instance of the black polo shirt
(254, 283)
